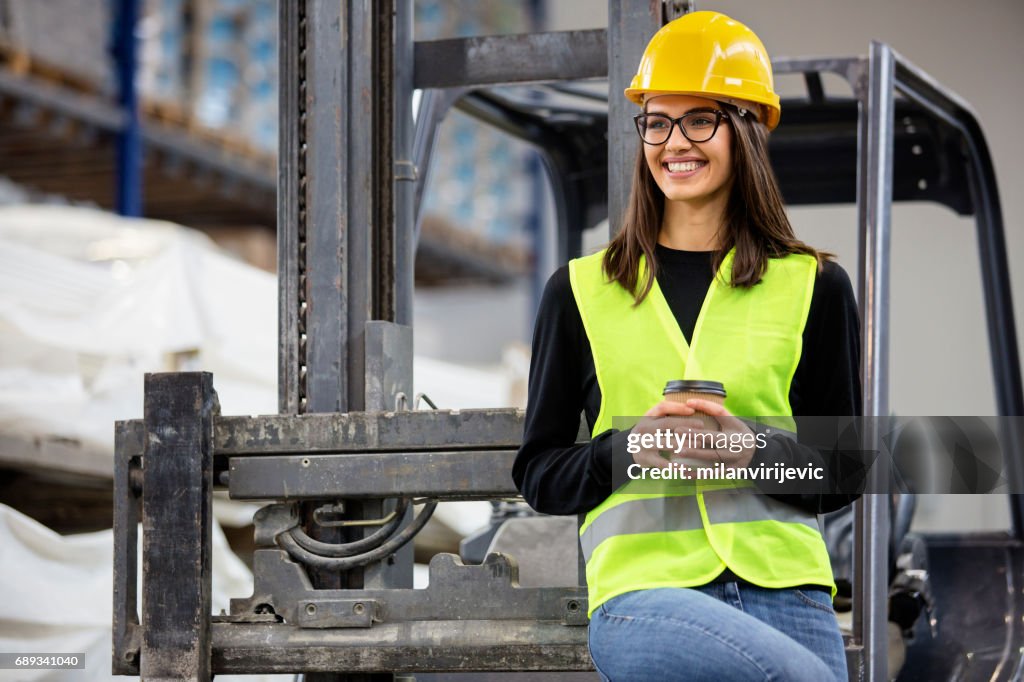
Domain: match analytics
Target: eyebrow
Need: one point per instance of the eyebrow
(689, 111)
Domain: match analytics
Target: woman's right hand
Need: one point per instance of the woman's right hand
(665, 416)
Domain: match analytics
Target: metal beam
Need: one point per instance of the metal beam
(439, 646)
(874, 204)
(129, 140)
(433, 107)
(404, 197)
(456, 475)
(630, 27)
(344, 262)
(874, 207)
(126, 633)
(482, 429)
(331, 244)
(291, 204)
(520, 58)
(177, 516)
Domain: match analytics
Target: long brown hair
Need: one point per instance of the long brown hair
(755, 217)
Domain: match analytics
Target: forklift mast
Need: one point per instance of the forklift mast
(346, 460)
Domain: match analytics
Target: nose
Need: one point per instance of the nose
(676, 139)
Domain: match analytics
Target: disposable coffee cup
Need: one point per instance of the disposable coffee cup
(680, 391)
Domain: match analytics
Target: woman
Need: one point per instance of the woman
(705, 280)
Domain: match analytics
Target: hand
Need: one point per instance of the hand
(737, 433)
(665, 417)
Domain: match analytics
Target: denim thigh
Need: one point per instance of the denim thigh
(806, 616)
(682, 633)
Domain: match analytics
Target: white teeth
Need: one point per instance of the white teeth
(684, 166)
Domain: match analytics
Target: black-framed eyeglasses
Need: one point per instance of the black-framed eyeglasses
(696, 126)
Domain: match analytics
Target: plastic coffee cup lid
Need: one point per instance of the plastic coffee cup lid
(679, 386)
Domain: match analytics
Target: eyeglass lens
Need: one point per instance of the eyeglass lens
(697, 126)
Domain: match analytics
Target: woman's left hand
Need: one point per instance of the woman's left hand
(742, 443)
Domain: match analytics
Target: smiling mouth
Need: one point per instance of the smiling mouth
(684, 166)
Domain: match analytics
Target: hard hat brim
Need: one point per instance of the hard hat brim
(771, 110)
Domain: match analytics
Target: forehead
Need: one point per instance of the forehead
(678, 104)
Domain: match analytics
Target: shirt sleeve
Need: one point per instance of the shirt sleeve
(826, 384)
(555, 474)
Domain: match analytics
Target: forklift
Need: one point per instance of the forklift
(341, 468)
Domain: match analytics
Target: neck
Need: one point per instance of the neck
(694, 226)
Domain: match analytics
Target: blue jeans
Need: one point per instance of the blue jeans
(726, 631)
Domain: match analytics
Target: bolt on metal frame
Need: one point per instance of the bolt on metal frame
(346, 243)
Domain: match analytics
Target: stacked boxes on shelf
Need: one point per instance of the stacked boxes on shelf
(213, 62)
(481, 178)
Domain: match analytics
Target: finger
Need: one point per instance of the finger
(694, 469)
(651, 460)
(642, 426)
(708, 473)
(649, 423)
(669, 408)
(719, 412)
(652, 425)
(686, 424)
(707, 406)
(695, 434)
(711, 456)
(696, 439)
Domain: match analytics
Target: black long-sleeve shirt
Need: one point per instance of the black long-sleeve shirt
(558, 476)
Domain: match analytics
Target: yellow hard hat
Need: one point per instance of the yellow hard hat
(709, 55)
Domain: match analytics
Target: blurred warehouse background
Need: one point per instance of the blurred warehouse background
(206, 80)
(90, 300)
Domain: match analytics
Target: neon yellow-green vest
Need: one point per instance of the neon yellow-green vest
(684, 533)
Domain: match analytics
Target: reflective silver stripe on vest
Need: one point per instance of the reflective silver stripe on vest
(731, 505)
(644, 515)
(664, 514)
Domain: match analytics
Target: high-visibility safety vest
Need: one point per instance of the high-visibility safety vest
(684, 533)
